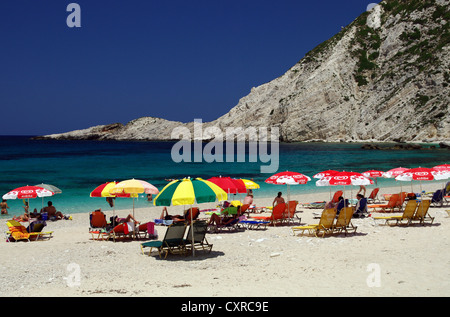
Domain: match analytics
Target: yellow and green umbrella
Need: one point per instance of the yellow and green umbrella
(188, 192)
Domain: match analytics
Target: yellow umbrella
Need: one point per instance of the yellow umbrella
(134, 187)
(249, 184)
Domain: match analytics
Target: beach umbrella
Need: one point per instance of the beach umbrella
(442, 168)
(288, 178)
(229, 185)
(373, 174)
(422, 174)
(325, 173)
(133, 187)
(51, 188)
(249, 184)
(27, 192)
(344, 179)
(103, 191)
(394, 172)
(189, 191)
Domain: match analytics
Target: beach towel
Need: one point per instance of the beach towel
(19, 233)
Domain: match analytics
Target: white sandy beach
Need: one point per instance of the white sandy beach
(412, 261)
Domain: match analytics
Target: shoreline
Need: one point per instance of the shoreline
(268, 263)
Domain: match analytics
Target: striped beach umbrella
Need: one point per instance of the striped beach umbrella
(249, 184)
(188, 192)
(103, 190)
(133, 187)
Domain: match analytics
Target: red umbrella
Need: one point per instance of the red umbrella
(229, 185)
(240, 185)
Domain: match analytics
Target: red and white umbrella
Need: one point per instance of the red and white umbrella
(422, 174)
(373, 174)
(288, 178)
(345, 179)
(419, 174)
(27, 192)
(325, 173)
(394, 172)
(442, 168)
(442, 171)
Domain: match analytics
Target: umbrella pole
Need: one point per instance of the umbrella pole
(134, 230)
(192, 234)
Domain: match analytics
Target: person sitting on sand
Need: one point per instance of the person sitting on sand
(278, 200)
(51, 212)
(4, 206)
(360, 210)
(341, 204)
(35, 214)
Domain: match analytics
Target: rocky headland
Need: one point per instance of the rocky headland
(383, 78)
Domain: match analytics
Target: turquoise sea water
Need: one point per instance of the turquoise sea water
(77, 167)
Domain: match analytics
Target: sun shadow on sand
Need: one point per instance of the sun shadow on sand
(199, 256)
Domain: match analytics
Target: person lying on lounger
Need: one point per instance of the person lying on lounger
(165, 216)
(116, 220)
(224, 220)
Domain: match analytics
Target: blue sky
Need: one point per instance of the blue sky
(177, 60)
